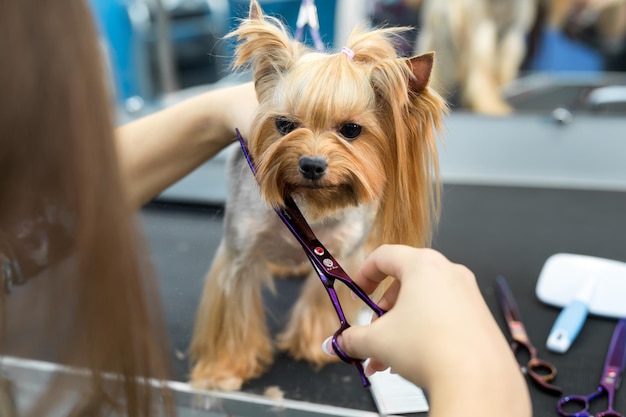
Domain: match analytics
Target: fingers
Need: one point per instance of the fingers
(395, 261)
(356, 342)
(371, 365)
(428, 294)
(390, 296)
(374, 366)
(381, 263)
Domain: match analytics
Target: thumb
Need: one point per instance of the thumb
(360, 342)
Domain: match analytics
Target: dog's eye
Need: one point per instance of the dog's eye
(350, 131)
(284, 125)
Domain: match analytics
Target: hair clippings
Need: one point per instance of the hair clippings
(349, 52)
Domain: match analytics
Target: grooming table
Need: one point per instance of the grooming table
(493, 230)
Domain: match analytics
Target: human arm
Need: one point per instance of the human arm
(439, 334)
(159, 149)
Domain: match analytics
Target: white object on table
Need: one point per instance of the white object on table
(582, 284)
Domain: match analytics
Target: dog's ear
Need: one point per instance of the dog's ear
(421, 66)
(265, 47)
(255, 11)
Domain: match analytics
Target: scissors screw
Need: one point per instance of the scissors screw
(319, 251)
(328, 262)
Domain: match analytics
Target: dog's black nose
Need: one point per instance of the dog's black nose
(313, 168)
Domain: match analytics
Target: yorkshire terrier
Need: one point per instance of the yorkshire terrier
(480, 47)
(351, 136)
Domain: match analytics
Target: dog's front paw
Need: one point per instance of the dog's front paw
(224, 376)
(211, 382)
(306, 345)
(313, 319)
(494, 107)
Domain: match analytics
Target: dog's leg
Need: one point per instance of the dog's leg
(510, 55)
(481, 92)
(440, 23)
(279, 271)
(313, 319)
(231, 342)
(512, 46)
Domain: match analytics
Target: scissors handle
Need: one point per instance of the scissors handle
(578, 405)
(543, 373)
(358, 363)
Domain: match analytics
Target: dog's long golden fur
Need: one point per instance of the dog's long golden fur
(369, 120)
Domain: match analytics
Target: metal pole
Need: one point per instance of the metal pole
(165, 56)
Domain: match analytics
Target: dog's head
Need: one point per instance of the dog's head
(344, 129)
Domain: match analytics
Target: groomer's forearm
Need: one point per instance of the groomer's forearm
(158, 150)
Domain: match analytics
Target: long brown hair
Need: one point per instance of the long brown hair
(91, 299)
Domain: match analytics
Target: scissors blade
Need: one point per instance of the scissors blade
(326, 266)
(507, 301)
(246, 152)
(615, 356)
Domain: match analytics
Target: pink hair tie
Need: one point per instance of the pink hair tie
(349, 52)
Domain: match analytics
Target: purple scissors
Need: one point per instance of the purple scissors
(540, 372)
(609, 382)
(326, 267)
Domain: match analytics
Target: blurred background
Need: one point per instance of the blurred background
(565, 60)
(159, 46)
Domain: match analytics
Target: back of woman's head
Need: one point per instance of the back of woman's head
(65, 227)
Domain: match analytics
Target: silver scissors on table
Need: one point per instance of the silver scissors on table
(609, 382)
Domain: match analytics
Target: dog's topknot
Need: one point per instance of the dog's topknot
(374, 45)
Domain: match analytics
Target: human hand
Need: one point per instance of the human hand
(438, 331)
(236, 106)
(424, 303)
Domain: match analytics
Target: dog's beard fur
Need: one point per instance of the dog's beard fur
(380, 187)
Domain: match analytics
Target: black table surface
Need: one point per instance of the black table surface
(509, 231)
